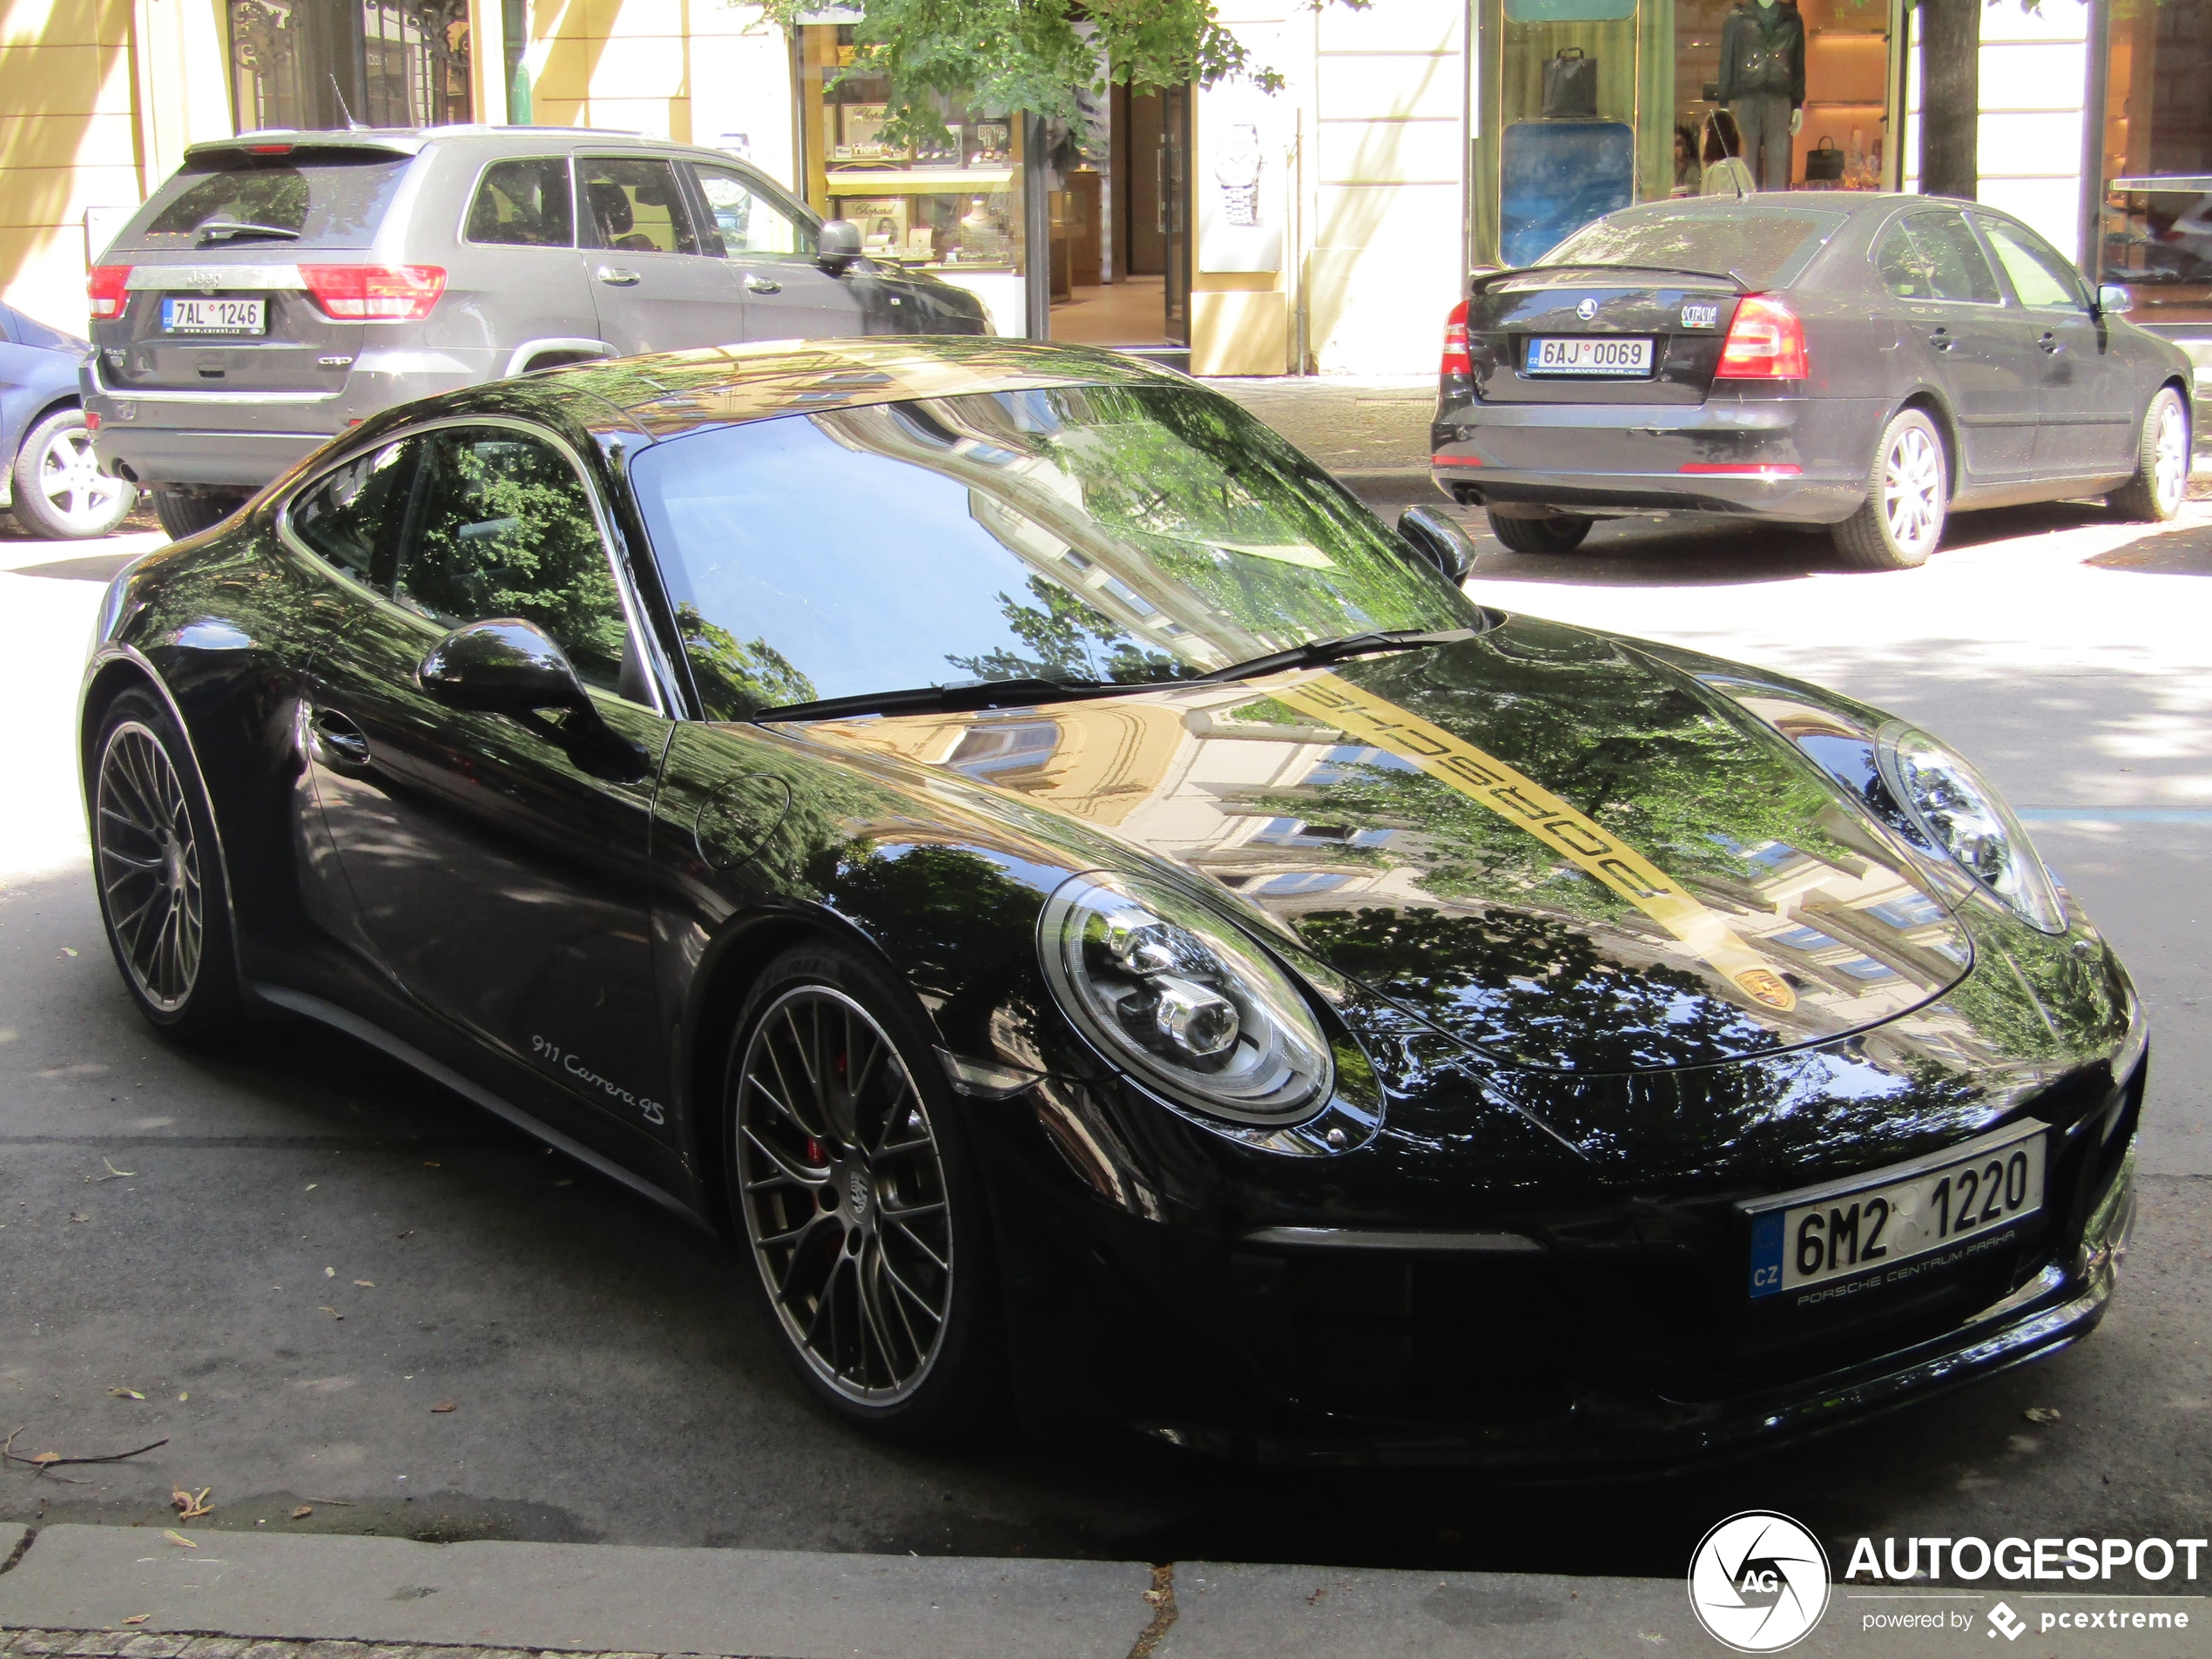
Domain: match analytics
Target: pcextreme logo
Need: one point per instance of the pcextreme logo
(1759, 1581)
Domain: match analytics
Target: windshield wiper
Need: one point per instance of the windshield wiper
(1319, 652)
(931, 699)
(227, 230)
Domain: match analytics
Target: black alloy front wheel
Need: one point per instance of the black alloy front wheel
(850, 1172)
(1553, 532)
(159, 876)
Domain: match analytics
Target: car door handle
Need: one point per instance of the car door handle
(615, 277)
(2052, 343)
(761, 285)
(340, 741)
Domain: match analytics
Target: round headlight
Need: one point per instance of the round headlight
(1960, 814)
(1181, 998)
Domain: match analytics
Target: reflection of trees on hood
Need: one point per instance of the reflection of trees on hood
(1068, 640)
(940, 912)
(1519, 979)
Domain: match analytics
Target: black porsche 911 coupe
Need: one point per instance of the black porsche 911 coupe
(1104, 923)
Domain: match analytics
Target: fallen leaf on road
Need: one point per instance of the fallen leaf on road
(432, 1164)
(138, 1618)
(365, 1284)
(446, 1406)
(126, 1393)
(191, 1506)
(48, 1457)
(67, 951)
(303, 1512)
(409, 1233)
(2041, 1414)
(79, 1214)
(182, 1397)
(174, 1537)
(311, 1185)
(334, 1313)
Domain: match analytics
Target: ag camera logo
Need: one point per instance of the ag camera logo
(1759, 1581)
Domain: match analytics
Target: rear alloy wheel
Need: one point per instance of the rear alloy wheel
(2162, 481)
(1908, 498)
(60, 488)
(188, 512)
(851, 1180)
(160, 881)
(1553, 532)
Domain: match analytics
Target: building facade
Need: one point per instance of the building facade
(1324, 228)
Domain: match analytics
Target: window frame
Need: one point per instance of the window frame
(1974, 235)
(762, 189)
(567, 158)
(1986, 225)
(587, 221)
(659, 683)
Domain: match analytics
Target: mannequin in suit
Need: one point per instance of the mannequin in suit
(1763, 82)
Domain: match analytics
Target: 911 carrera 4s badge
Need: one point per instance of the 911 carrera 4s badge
(1528, 805)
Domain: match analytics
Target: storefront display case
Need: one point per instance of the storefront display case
(955, 209)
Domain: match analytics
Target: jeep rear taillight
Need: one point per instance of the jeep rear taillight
(375, 293)
(108, 290)
(1766, 342)
(1456, 360)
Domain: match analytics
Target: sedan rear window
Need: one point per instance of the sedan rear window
(1765, 247)
(323, 199)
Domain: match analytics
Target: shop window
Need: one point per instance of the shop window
(2157, 221)
(311, 63)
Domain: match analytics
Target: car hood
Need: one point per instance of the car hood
(1542, 841)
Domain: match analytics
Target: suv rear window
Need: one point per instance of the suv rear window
(304, 197)
(1766, 247)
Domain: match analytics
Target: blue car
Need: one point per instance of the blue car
(52, 481)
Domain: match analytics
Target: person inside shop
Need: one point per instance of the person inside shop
(1722, 154)
(1685, 161)
(1763, 82)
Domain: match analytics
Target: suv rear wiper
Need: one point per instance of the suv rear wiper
(227, 230)
(1489, 276)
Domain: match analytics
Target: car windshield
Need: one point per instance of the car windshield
(1117, 534)
(1766, 247)
(301, 199)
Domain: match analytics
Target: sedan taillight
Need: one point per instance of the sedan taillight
(1766, 342)
(1456, 361)
(108, 290)
(375, 293)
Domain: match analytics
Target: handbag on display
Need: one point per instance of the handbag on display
(1823, 163)
(1570, 85)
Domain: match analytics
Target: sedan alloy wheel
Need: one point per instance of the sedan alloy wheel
(148, 857)
(845, 1196)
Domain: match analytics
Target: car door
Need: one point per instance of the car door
(2086, 393)
(498, 863)
(1966, 339)
(655, 286)
(768, 246)
(521, 257)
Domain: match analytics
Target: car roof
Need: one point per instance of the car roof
(670, 393)
(409, 141)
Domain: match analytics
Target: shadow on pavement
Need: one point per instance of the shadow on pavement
(2184, 550)
(93, 567)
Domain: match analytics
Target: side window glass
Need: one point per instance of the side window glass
(1905, 273)
(2038, 274)
(637, 206)
(506, 529)
(750, 221)
(351, 517)
(1955, 266)
(524, 204)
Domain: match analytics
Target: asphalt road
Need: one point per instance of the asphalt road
(192, 1228)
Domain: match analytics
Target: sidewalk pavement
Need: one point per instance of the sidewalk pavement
(139, 1593)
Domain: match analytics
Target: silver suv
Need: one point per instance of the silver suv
(283, 287)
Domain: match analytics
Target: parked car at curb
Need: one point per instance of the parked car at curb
(1120, 931)
(1872, 363)
(282, 287)
(50, 476)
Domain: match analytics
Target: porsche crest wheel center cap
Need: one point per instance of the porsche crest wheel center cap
(859, 1196)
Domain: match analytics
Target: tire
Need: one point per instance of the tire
(918, 1358)
(2162, 481)
(1908, 496)
(1555, 533)
(59, 490)
(188, 512)
(160, 873)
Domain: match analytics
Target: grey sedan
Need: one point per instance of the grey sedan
(1871, 363)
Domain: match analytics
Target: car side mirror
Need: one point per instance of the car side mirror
(837, 245)
(506, 666)
(1439, 538)
(2114, 300)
